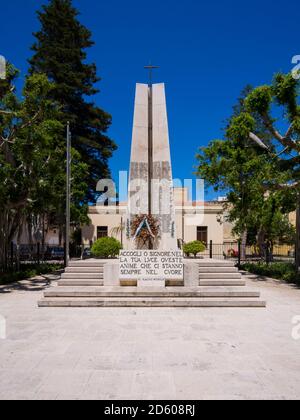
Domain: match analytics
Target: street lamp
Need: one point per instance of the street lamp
(68, 197)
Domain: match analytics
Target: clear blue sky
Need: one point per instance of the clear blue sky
(208, 51)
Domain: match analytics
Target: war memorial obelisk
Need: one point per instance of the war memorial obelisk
(151, 183)
(151, 271)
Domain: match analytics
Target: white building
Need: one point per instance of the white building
(208, 226)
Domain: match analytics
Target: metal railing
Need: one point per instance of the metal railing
(233, 251)
(267, 253)
(48, 253)
(36, 254)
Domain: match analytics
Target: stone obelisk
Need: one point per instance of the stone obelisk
(151, 181)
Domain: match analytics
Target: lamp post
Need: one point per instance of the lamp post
(68, 197)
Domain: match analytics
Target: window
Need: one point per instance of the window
(102, 232)
(202, 234)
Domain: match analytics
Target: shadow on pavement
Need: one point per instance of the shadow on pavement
(36, 284)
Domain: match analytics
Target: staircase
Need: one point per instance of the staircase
(219, 273)
(220, 285)
(85, 273)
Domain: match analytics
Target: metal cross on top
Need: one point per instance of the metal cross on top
(151, 68)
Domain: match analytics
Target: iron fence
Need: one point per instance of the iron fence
(235, 252)
(269, 253)
(29, 254)
(232, 251)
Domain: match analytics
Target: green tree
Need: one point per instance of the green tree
(60, 53)
(49, 201)
(28, 130)
(32, 163)
(282, 94)
(240, 167)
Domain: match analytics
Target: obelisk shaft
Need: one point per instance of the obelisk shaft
(150, 155)
(150, 148)
(151, 181)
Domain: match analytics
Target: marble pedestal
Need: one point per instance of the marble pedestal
(152, 283)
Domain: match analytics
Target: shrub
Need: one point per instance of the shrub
(28, 271)
(281, 271)
(194, 248)
(232, 253)
(106, 248)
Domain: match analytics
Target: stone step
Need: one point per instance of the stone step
(80, 283)
(86, 263)
(79, 276)
(147, 293)
(169, 283)
(222, 283)
(84, 269)
(174, 283)
(214, 263)
(218, 270)
(206, 283)
(151, 302)
(220, 276)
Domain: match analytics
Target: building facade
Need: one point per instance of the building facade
(194, 221)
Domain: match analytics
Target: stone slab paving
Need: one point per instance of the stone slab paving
(149, 353)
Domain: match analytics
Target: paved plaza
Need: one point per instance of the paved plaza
(57, 353)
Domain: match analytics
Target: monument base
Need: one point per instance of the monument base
(111, 274)
(151, 268)
(157, 284)
(208, 283)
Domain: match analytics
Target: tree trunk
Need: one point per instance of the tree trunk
(269, 252)
(9, 227)
(244, 245)
(2, 242)
(261, 243)
(297, 247)
(29, 227)
(43, 237)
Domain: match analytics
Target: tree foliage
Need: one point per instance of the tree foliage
(33, 131)
(60, 53)
(106, 247)
(28, 129)
(248, 170)
(194, 248)
(32, 162)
